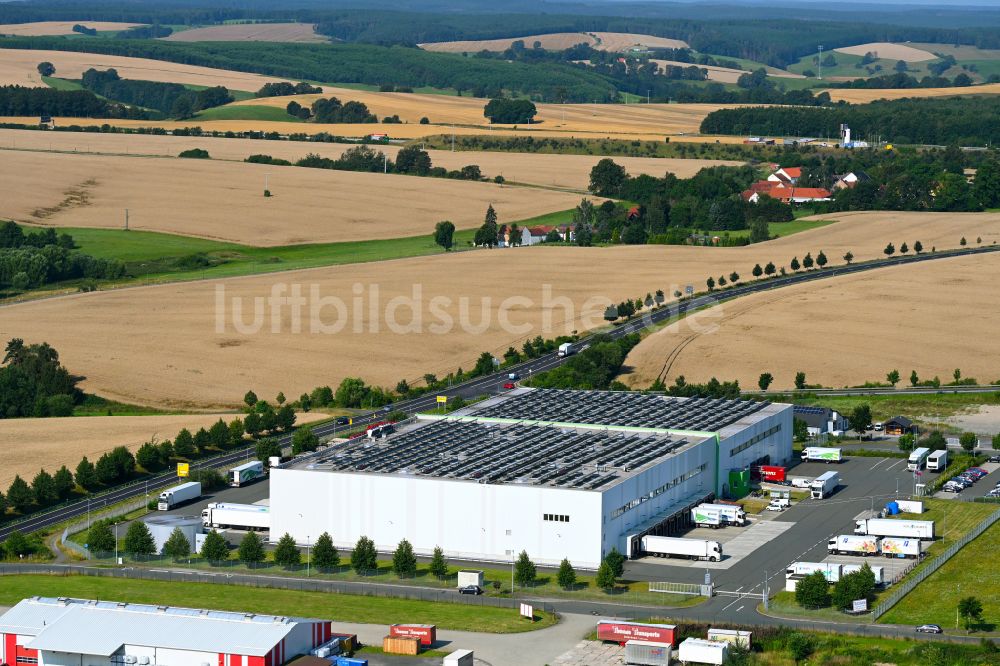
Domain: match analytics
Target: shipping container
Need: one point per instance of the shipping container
(647, 653)
(400, 645)
(698, 651)
(772, 473)
(623, 631)
(348, 642)
(460, 658)
(468, 577)
(425, 633)
(734, 636)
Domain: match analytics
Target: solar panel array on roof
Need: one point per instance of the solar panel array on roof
(494, 453)
(798, 409)
(623, 409)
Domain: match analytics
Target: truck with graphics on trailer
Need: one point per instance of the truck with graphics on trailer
(246, 473)
(900, 547)
(707, 518)
(731, 514)
(854, 544)
(622, 631)
(821, 454)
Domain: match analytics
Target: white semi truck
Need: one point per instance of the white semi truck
(693, 549)
(854, 568)
(914, 529)
(731, 514)
(703, 517)
(853, 544)
(831, 570)
(821, 454)
(244, 474)
(565, 349)
(824, 485)
(172, 497)
(895, 547)
(239, 516)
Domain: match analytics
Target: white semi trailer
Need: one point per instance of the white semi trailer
(853, 544)
(703, 517)
(831, 570)
(246, 473)
(915, 529)
(853, 568)
(172, 497)
(895, 547)
(821, 454)
(692, 549)
(824, 485)
(731, 514)
(239, 516)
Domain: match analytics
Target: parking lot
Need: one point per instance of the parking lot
(978, 489)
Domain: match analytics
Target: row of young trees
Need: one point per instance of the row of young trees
(411, 160)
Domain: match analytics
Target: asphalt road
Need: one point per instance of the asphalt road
(487, 384)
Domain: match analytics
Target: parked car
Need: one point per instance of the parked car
(978, 471)
(929, 629)
(513, 376)
(778, 505)
(470, 589)
(993, 493)
(994, 459)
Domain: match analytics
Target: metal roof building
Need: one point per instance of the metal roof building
(76, 632)
(556, 473)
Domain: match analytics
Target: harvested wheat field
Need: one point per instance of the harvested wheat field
(548, 170)
(31, 444)
(720, 74)
(559, 41)
(889, 51)
(863, 96)
(298, 33)
(19, 67)
(841, 332)
(224, 200)
(192, 354)
(52, 28)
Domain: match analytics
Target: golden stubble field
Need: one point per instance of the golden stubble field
(889, 51)
(863, 96)
(841, 332)
(250, 32)
(47, 28)
(548, 170)
(19, 67)
(191, 353)
(31, 444)
(224, 200)
(558, 41)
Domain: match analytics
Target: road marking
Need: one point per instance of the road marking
(880, 462)
(740, 608)
(735, 601)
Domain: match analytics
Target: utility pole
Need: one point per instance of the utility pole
(126, 219)
(820, 61)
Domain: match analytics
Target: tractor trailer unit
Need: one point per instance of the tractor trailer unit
(853, 544)
(731, 514)
(703, 517)
(244, 474)
(821, 454)
(831, 570)
(824, 485)
(694, 549)
(239, 516)
(177, 495)
(914, 529)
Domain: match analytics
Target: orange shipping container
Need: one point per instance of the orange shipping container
(400, 645)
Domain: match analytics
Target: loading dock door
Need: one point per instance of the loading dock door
(670, 522)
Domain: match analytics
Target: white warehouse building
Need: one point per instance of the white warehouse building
(555, 473)
(79, 632)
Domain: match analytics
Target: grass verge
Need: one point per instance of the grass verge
(342, 607)
(932, 406)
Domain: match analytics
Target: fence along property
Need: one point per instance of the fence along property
(907, 586)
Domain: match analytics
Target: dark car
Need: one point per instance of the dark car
(929, 629)
(994, 459)
(470, 589)
(342, 420)
(979, 472)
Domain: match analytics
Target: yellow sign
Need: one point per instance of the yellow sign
(183, 469)
(442, 398)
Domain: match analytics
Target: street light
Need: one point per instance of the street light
(116, 542)
(307, 556)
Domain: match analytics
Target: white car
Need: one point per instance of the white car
(778, 505)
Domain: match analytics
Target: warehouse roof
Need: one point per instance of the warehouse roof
(622, 408)
(102, 627)
(470, 449)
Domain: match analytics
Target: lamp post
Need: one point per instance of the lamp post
(116, 542)
(307, 556)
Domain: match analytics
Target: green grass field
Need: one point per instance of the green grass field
(781, 229)
(247, 112)
(342, 607)
(61, 84)
(924, 407)
(971, 572)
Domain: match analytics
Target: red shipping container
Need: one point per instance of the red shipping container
(427, 633)
(620, 632)
(772, 473)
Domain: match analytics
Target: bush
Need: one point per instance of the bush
(195, 153)
(813, 591)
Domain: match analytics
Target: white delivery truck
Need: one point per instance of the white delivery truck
(853, 544)
(172, 497)
(821, 454)
(831, 570)
(467, 577)
(854, 568)
(244, 474)
(239, 516)
(937, 460)
(731, 514)
(703, 517)
(565, 349)
(895, 547)
(824, 485)
(915, 529)
(800, 481)
(700, 651)
(910, 506)
(694, 549)
(918, 459)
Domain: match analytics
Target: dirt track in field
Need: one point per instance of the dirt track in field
(190, 357)
(842, 332)
(889, 51)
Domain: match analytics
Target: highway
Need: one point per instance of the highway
(482, 385)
